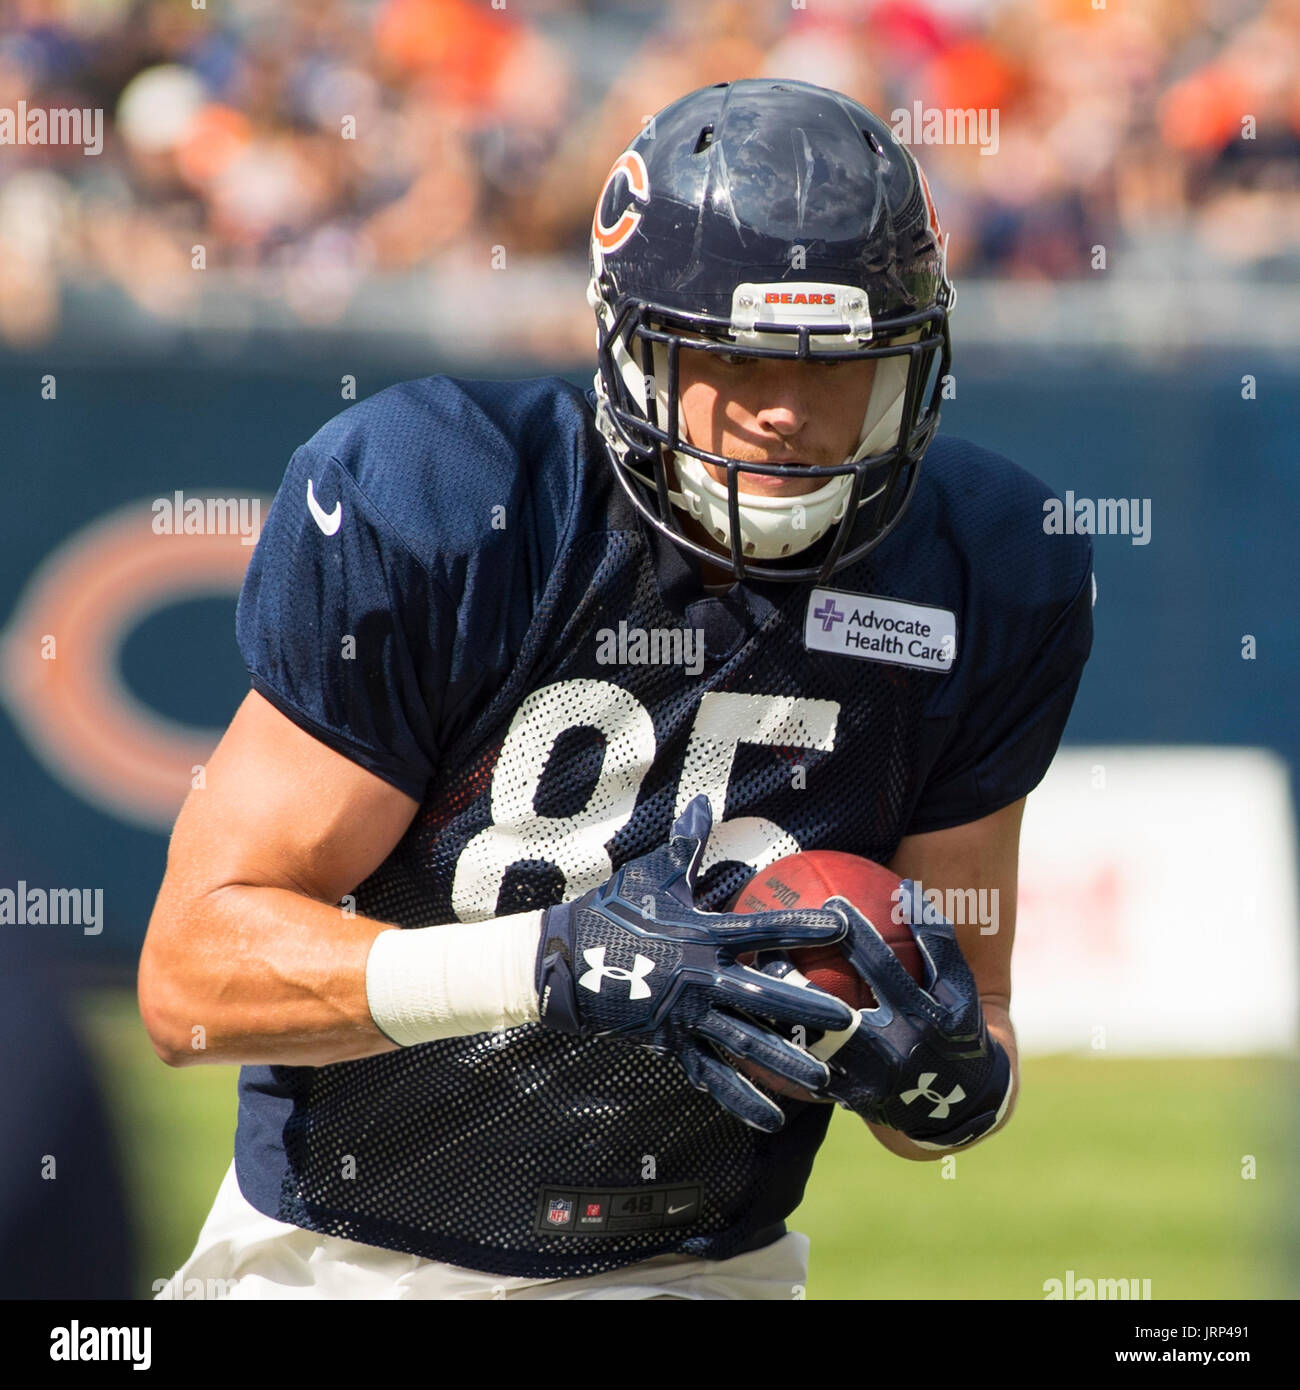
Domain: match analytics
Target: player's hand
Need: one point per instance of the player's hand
(923, 1061)
(635, 959)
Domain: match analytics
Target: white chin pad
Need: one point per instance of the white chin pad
(770, 527)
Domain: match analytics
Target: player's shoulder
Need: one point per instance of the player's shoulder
(489, 410)
(440, 456)
(993, 513)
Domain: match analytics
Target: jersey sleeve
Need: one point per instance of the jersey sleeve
(342, 629)
(1004, 739)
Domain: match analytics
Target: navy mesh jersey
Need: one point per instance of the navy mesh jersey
(452, 590)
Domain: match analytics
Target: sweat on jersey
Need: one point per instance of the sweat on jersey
(449, 590)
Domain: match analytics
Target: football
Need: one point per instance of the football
(807, 880)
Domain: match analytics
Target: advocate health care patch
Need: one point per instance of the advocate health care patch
(880, 629)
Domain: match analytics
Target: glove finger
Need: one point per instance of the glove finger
(736, 1095)
(775, 964)
(691, 1058)
(695, 821)
(738, 986)
(779, 966)
(695, 824)
(769, 1050)
(954, 986)
(785, 928)
(871, 956)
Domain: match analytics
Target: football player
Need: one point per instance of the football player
(540, 677)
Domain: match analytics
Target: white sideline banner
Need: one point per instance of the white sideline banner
(1158, 905)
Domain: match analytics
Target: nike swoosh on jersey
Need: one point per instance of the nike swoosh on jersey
(327, 521)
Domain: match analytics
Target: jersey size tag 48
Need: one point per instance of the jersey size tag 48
(880, 629)
(571, 1212)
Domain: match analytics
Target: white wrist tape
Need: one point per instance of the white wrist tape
(428, 983)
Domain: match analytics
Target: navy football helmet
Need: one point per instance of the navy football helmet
(768, 219)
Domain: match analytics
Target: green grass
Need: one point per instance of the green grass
(1112, 1168)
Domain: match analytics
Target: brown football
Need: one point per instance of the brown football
(807, 880)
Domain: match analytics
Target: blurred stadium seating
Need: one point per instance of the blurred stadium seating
(315, 150)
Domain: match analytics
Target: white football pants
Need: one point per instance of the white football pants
(243, 1254)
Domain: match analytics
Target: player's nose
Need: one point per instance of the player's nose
(785, 409)
(784, 420)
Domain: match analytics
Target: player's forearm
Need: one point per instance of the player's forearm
(296, 982)
(999, 1025)
(257, 976)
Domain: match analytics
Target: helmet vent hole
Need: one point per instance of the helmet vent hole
(873, 140)
(705, 140)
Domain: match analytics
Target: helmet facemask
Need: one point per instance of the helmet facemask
(754, 535)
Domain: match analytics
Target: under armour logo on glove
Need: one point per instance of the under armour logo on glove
(704, 1005)
(595, 957)
(939, 1027)
(925, 1087)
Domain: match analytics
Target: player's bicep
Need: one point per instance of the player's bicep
(281, 809)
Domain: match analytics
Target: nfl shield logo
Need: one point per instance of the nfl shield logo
(560, 1212)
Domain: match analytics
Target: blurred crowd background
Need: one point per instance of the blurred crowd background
(314, 147)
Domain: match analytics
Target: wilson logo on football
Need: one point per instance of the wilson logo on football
(637, 987)
(632, 167)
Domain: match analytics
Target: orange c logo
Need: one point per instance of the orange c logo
(633, 167)
(74, 711)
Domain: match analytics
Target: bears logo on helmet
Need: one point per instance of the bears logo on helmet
(632, 166)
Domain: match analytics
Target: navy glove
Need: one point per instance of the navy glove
(923, 1062)
(635, 960)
